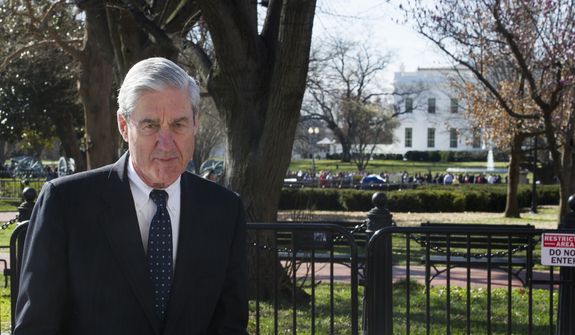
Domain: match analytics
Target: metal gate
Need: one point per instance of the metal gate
(466, 279)
(320, 260)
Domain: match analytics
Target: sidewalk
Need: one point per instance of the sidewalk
(7, 216)
(458, 276)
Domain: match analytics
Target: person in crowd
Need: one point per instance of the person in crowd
(448, 179)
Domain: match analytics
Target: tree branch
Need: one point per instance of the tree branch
(32, 46)
(149, 26)
(197, 56)
(39, 27)
(493, 90)
(508, 36)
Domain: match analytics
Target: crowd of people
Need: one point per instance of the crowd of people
(327, 178)
(450, 178)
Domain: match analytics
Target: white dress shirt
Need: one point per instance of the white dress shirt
(146, 208)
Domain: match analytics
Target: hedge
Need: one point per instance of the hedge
(433, 198)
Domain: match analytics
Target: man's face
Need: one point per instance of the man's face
(160, 134)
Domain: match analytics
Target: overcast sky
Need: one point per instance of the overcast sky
(379, 23)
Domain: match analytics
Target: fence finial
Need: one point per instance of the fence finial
(379, 216)
(25, 208)
(568, 221)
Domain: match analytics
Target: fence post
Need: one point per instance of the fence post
(25, 208)
(379, 271)
(566, 309)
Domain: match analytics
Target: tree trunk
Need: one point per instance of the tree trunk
(3, 153)
(95, 87)
(258, 86)
(67, 135)
(512, 204)
(567, 188)
(345, 152)
(343, 140)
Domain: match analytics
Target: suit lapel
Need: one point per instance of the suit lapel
(191, 247)
(121, 226)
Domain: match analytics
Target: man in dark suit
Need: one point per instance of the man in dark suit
(140, 246)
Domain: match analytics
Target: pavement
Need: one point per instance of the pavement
(458, 276)
(7, 216)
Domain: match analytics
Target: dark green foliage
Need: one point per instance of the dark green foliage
(308, 198)
(395, 157)
(431, 198)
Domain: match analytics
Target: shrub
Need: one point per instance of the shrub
(393, 157)
(309, 198)
(431, 198)
(334, 156)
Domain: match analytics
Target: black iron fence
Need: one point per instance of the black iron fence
(325, 278)
(306, 279)
(12, 188)
(460, 280)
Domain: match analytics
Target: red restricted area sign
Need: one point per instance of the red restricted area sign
(558, 249)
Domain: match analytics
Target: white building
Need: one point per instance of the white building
(432, 116)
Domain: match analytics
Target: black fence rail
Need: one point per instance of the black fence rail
(11, 188)
(458, 279)
(16, 251)
(311, 286)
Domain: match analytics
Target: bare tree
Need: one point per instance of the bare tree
(536, 40)
(376, 127)
(499, 128)
(342, 92)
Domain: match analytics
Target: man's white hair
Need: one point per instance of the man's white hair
(155, 74)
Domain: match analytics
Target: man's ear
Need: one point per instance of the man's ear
(123, 126)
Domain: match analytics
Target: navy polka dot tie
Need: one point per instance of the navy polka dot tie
(160, 252)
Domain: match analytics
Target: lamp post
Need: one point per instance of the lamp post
(534, 181)
(312, 131)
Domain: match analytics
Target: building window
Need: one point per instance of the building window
(476, 144)
(431, 105)
(431, 137)
(408, 105)
(453, 138)
(408, 137)
(454, 105)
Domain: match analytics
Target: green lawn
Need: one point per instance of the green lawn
(9, 205)
(478, 298)
(389, 166)
(342, 318)
(4, 307)
(438, 307)
(438, 300)
(5, 237)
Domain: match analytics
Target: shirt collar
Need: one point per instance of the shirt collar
(143, 190)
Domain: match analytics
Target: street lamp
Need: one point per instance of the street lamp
(534, 181)
(312, 131)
